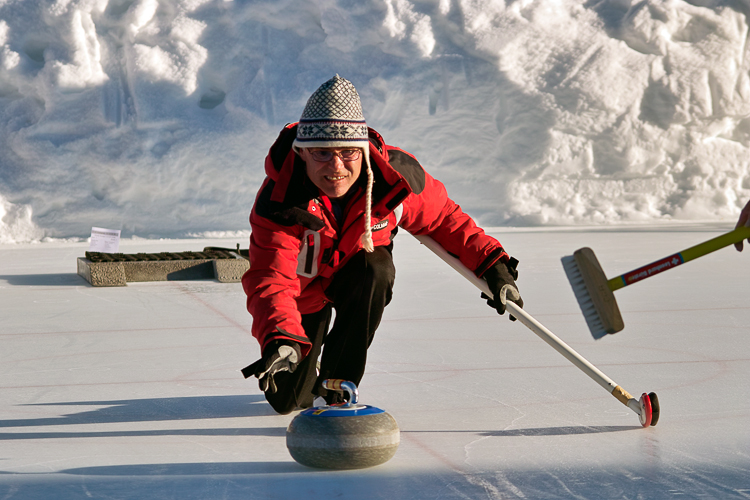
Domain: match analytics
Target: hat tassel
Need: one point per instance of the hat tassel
(367, 243)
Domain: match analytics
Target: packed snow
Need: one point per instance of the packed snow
(154, 116)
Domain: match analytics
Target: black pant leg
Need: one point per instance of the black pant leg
(359, 291)
(297, 389)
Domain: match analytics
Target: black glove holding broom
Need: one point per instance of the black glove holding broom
(501, 279)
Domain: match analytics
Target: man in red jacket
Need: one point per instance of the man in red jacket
(323, 225)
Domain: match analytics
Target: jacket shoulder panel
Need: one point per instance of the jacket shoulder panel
(281, 147)
(284, 215)
(409, 168)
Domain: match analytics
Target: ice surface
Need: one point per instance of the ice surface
(154, 116)
(135, 392)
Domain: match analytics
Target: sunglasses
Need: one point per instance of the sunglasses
(324, 155)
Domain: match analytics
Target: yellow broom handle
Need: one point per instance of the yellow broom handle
(675, 260)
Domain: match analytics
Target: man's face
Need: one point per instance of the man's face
(336, 176)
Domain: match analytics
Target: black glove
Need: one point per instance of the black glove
(278, 356)
(501, 279)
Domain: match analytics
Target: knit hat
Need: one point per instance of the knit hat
(333, 118)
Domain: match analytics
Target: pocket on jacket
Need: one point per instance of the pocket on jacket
(307, 260)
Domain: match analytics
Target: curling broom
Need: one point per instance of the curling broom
(647, 407)
(594, 291)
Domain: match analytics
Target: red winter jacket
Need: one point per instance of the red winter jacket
(296, 245)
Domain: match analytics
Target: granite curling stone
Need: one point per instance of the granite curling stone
(349, 436)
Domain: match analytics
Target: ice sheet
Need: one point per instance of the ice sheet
(135, 392)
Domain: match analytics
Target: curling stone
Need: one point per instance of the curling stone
(347, 436)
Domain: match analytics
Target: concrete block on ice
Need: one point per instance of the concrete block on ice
(230, 270)
(102, 273)
(101, 269)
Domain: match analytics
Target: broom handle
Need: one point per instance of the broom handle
(532, 324)
(675, 260)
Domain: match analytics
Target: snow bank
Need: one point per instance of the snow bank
(16, 224)
(153, 116)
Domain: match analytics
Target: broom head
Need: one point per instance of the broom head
(594, 296)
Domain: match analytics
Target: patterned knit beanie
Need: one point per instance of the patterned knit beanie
(333, 118)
